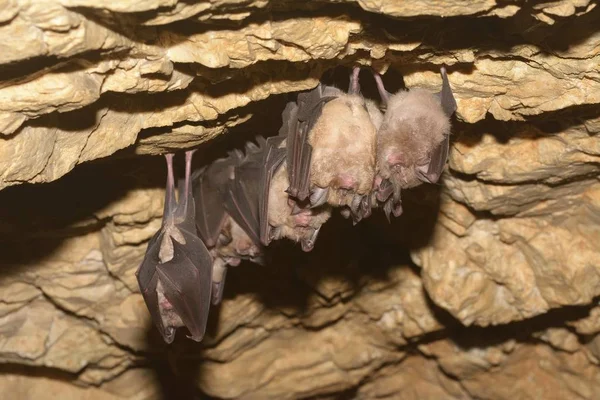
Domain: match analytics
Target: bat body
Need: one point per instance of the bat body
(233, 246)
(332, 148)
(175, 275)
(412, 141)
(218, 214)
(280, 214)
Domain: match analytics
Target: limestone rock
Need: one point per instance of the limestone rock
(504, 280)
(515, 268)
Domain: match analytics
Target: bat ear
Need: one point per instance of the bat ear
(431, 172)
(446, 95)
(170, 202)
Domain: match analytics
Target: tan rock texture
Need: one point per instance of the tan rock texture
(487, 287)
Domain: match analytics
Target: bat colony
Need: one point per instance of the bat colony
(334, 150)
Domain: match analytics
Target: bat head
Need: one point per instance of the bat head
(287, 219)
(414, 126)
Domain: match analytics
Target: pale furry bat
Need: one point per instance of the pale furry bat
(412, 141)
(226, 195)
(280, 214)
(175, 275)
(331, 141)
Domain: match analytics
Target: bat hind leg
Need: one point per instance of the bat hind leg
(382, 92)
(354, 85)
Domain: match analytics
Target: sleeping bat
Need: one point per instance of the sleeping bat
(222, 217)
(331, 142)
(280, 214)
(175, 275)
(412, 141)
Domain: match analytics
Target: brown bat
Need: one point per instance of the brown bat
(331, 143)
(280, 214)
(222, 215)
(412, 141)
(175, 275)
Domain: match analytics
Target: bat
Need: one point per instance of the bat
(222, 217)
(175, 275)
(412, 141)
(279, 213)
(209, 186)
(331, 143)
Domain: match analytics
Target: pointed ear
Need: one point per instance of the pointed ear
(431, 172)
(446, 96)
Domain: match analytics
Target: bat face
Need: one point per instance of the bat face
(286, 219)
(175, 275)
(412, 141)
(343, 156)
(237, 245)
(412, 127)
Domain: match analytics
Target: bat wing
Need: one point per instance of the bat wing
(431, 173)
(148, 280)
(243, 192)
(186, 281)
(274, 156)
(298, 120)
(209, 186)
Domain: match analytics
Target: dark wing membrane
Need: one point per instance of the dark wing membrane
(440, 154)
(242, 199)
(438, 161)
(209, 186)
(446, 96)
(298, 121)
(148, 279)
(187, 281)
(274, 156)
(298, 149)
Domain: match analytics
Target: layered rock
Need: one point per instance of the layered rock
(490, 276)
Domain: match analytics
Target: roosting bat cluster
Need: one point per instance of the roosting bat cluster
(334, 150)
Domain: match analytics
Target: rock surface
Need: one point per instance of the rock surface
(494, 274)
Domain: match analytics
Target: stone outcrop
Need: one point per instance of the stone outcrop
(492, 275)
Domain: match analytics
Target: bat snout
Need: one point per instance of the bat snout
(395, 159)
(302, 219)
(345, 181)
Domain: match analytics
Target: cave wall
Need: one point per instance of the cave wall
(491, 275)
